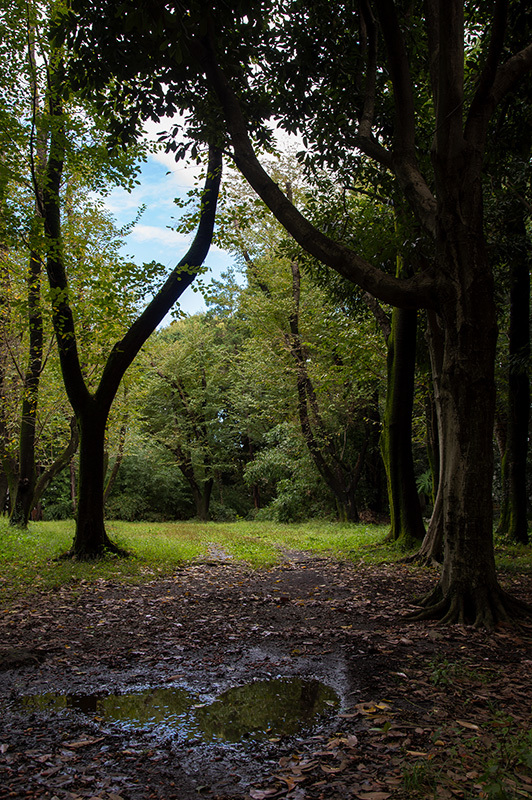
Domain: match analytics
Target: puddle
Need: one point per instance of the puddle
(258, 710)
(265, 709)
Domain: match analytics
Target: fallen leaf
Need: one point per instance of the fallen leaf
(83, 742)
(350, 741)
(374, 795)
(333, 770)
(261, 794)
(469, 725)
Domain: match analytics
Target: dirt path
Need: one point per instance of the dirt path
(419, 706)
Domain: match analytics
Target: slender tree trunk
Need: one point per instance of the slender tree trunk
(341, 479)
(431, 550)
(73, 484)
(432, 444)
(513, 522)
(27, 469)
(374, 466)
(27, 477)
(118, 461)
(396, 438)
(63, 461)
(7, 461)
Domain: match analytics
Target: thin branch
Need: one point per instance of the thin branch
(400, 75)
(370, 29)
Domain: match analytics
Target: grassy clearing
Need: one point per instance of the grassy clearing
(28, 559)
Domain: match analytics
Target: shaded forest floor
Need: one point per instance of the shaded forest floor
(424, 711)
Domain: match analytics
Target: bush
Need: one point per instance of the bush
(296, 502)
(62, 509)
(222, 513)
(147, 490)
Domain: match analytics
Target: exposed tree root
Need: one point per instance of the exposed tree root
(482, 608)
(105, 549)
(421, 559)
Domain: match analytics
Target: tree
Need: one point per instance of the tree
(92, 408)
(185, 402)
(334, 380)
(460, 288)
(25, 144)
(508, 210)
(356, 82)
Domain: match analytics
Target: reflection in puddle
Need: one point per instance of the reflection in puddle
(265, 709)
(258, 710)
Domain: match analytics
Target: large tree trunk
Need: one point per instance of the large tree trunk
(91, 540)
(202, 498)
(468, 590)
(396, 438)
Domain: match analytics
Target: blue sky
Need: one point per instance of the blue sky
(152, 239)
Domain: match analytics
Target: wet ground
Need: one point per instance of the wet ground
(301, 681)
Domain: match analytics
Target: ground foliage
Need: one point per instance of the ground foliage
(426, 710)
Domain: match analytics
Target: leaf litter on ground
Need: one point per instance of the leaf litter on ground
(426, 710)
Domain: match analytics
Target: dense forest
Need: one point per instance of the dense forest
(369, 352)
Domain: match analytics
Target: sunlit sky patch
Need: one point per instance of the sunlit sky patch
(152, 238)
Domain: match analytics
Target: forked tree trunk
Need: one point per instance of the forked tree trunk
(92, 409)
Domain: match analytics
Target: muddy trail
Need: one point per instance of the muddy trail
(299, 681)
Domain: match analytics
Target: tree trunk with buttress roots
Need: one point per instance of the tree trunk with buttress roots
(459, 287)
(468, 590)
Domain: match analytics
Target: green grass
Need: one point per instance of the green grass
(28, 559)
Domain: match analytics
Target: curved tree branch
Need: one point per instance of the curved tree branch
(182, 276)
(419, 290)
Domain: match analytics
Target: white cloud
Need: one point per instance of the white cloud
(152, 233)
